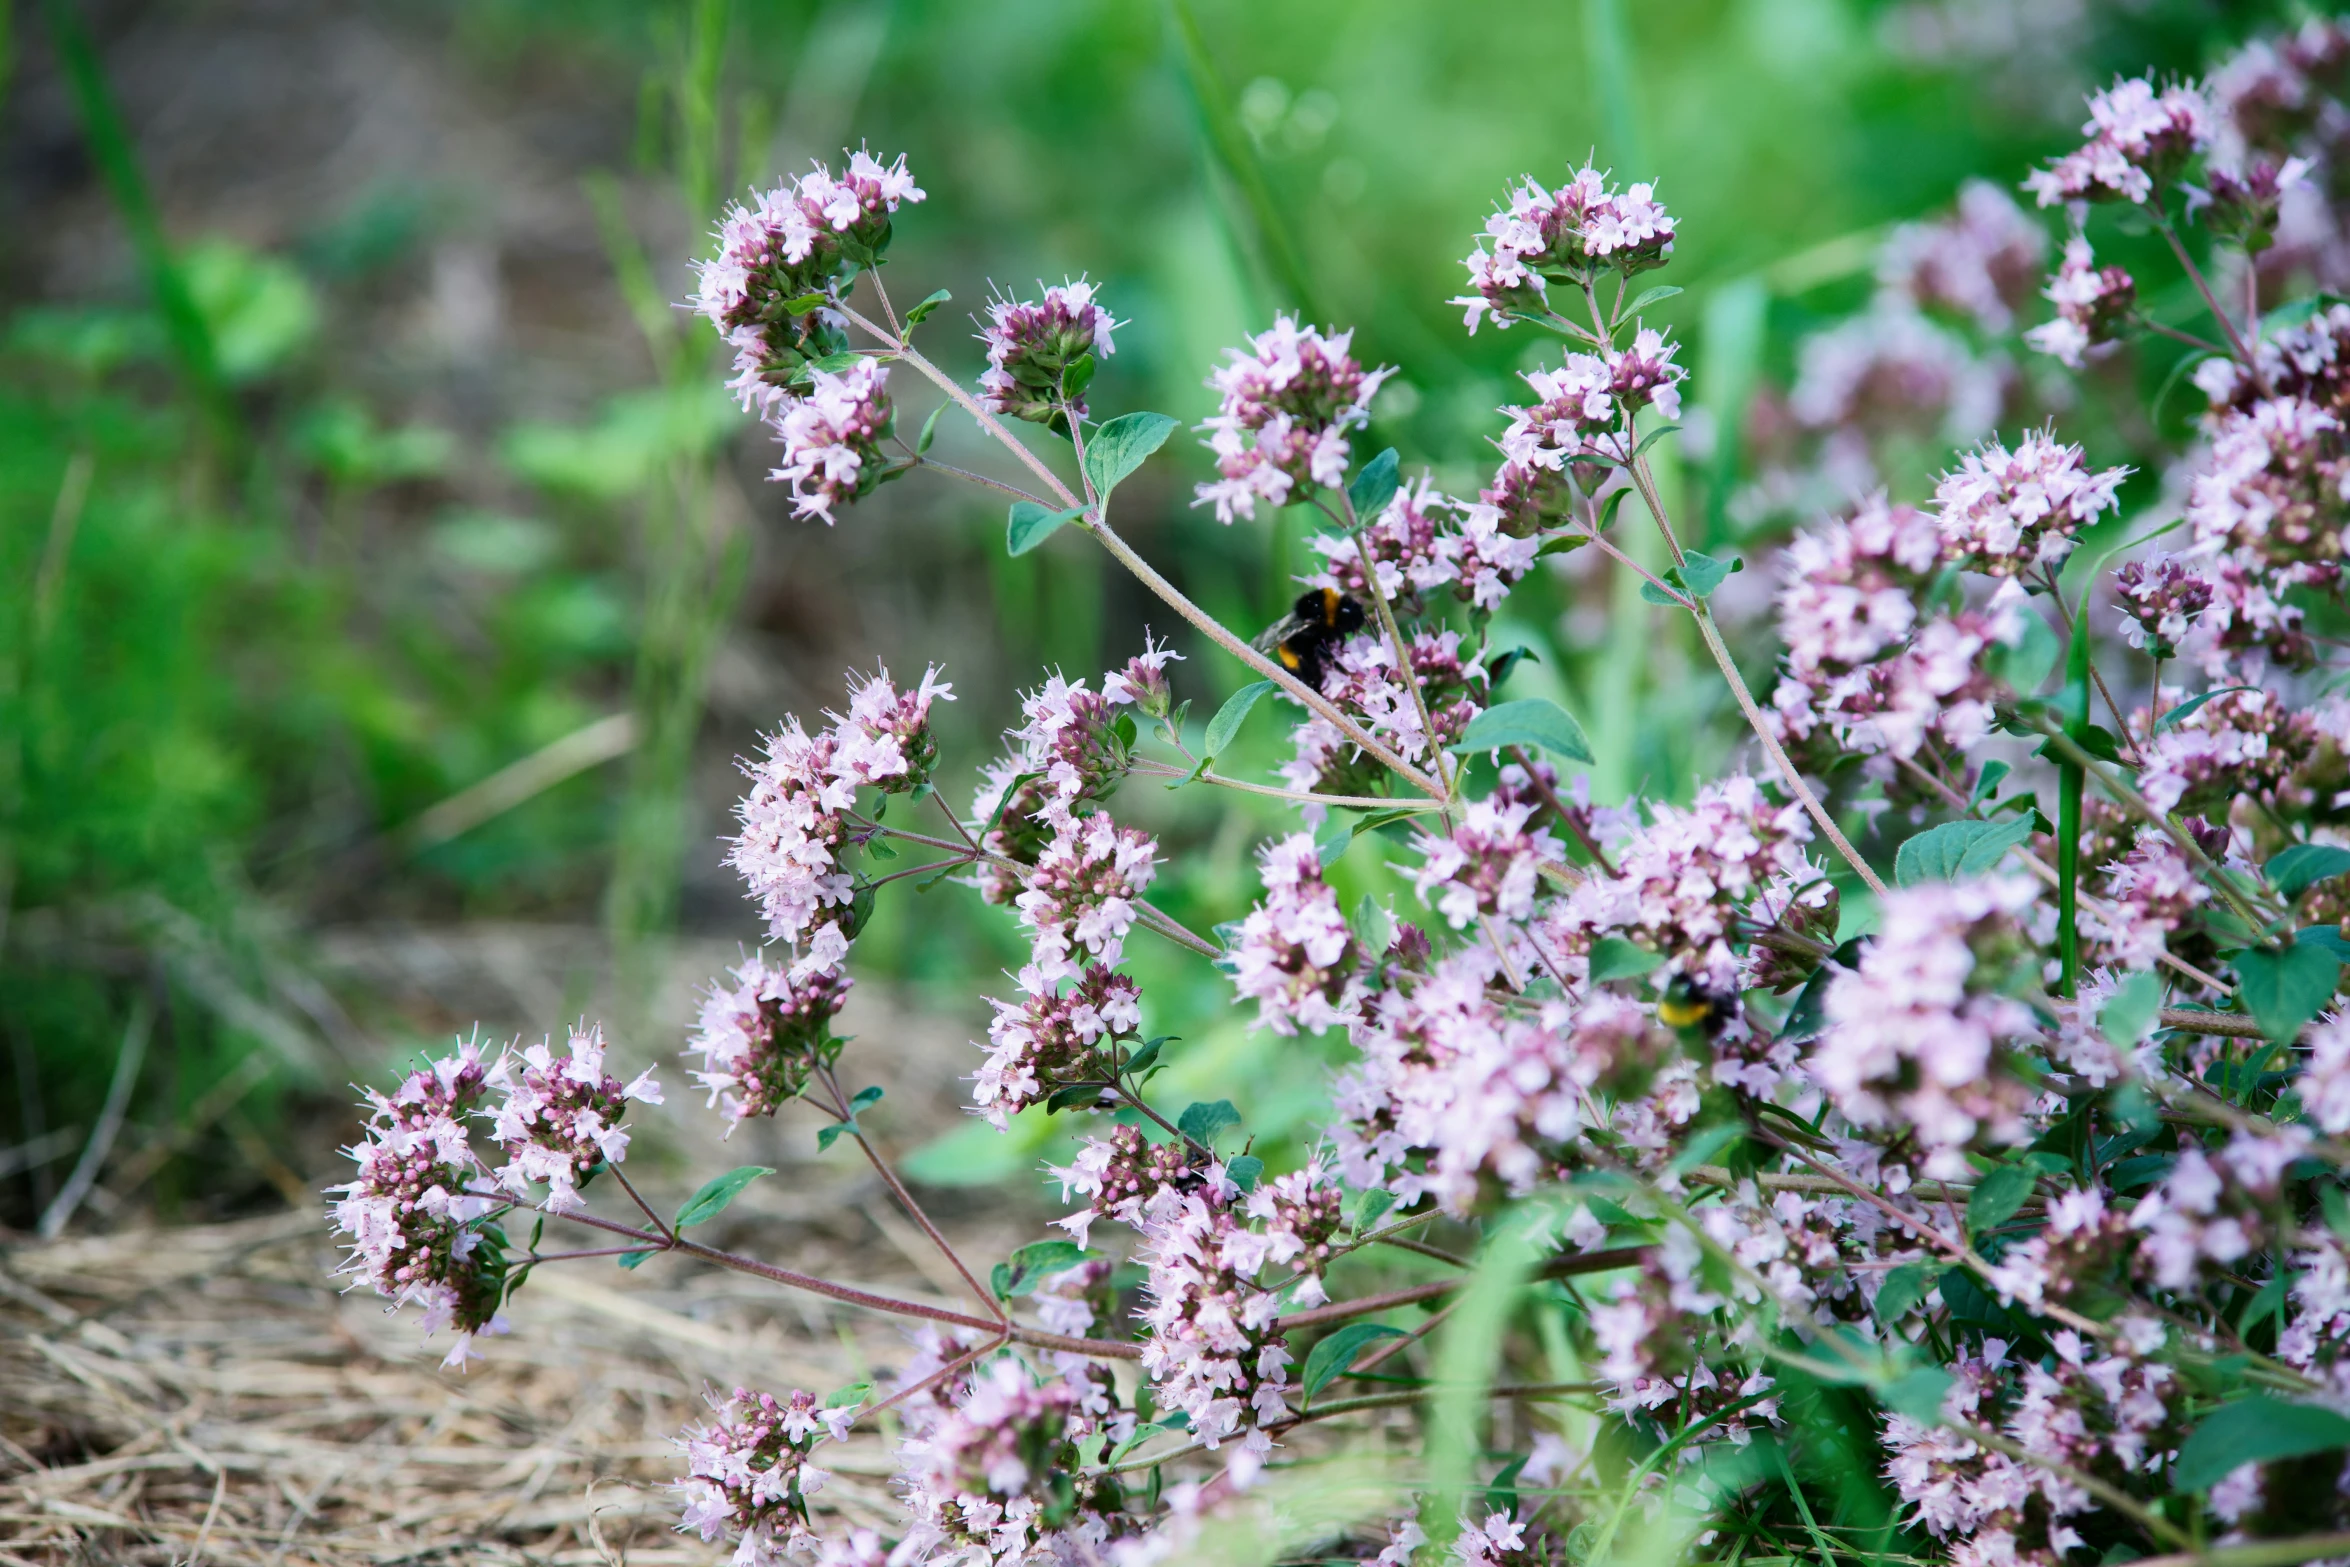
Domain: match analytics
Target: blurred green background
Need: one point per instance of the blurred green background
(386, 586)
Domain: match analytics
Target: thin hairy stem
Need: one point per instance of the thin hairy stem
(2162, 224)
(1778, 753)
(2188, 338)
(644, 1207)
(1567, 819)
(2112, 1496)
(2047, 874)
(1216, 632)
(1396, 645)
(1100, 1349)
(889, 1177)
(1568, 1266)
(2144, 809)
(1360, 802)
(982, 480)
(935, 1378)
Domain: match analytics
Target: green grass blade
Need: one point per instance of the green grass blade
(118, 163)
(1229, 140)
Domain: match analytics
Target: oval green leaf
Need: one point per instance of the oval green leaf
(1227, 721)
(2301, 867)
(711, 1200)
(1031, 525)
(1956, 850)
(1375, 486)
(2255, 1430)
(1531, 721)
(1117, 448)
(1328, 1360)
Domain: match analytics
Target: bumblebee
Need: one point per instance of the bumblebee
(1684, 1005)
(1302, 640)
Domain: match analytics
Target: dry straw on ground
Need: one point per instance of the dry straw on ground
(204, 1395)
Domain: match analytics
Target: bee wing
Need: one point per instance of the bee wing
(1270, 639)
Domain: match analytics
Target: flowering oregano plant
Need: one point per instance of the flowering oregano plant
(2003, 1163)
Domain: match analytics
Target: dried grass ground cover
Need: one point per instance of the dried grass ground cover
(206, 1395)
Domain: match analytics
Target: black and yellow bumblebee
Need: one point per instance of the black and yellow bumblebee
(1688, 1005)
(1302, 640)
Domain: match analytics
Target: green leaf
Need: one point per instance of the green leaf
(1997, 1196)
(1227, 721)
(1987, 782)
(1031, 525)
(2255, 1430)
(1956, 850)
(1119, 447)
(634, 1260)
(2304, 865)
(1612, 957)
(1654, 436)
(1337, 831)
(855, 1392)
(1904, 1288)
(1031, 1265)
(929, 430)
(2328, 937)
(865, 1099)
(1652, 296)
(1372, 1209)
(1651, 593)
(802, 305)
(1530, 721)
(2286, 989)
(2027, 664)
(711, 1200)
(1071, 1097)
(1329, 1359)
(1702, 573)
(1697, 576)
(1201, 1122)
(1499, 669)
(1917, 1393)
(1142, 1060)
(2129, 1013)
(1245, 1170)
(2186, 710)
(915, 316)
(1375, 486)
(826, 1136)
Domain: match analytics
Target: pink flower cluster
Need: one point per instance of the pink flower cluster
(1288, 402)
(2093, 305)
(1921, 1033)
(1546, 236)
(1053, 1038)
(1979, 262)
(1082, 892)
(2140, 136)
(1681, 882)
(748, 1475)
(832, 439)
(1031, 346)
(2008, 512)
(805, 237)
(979, 1478)
(1489, 865)
(409, 1214)
(559, 1121)
(1426, 540)
(1295, 955)
(763, 1037)
(795, 818)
